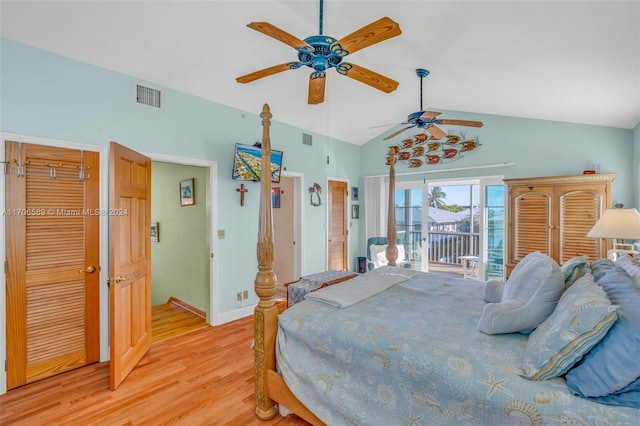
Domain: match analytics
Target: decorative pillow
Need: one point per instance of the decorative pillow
(379, 256)
(574, 268)
(631, 265)
(375, 251)
(581, 319)
(530, 295)
(613, 364)
(493, 291)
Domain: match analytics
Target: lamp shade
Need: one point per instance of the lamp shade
(617, 223)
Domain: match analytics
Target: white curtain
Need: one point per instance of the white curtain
(376, 198)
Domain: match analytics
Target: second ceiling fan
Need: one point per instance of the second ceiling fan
(321, 52)
(428, 120)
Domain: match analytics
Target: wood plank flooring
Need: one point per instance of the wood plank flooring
(171, 319)
(204, 377)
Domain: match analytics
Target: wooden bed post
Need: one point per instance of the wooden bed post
(266, 312)
(392, 249)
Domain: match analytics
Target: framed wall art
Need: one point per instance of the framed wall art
(155, 232)
(187, 192)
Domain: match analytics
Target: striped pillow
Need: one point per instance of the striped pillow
(582, 317)
(574, 268)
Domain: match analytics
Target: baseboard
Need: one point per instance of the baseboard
(199, 312)
(235, 315)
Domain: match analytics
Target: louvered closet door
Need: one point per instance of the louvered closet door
(531, 223)
(52, 240)
(579, 211)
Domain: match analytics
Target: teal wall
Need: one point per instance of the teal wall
(180, 259)
(51, 96)
(537, 147)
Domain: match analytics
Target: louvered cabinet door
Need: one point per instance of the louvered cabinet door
(530, 223)
(579, 210)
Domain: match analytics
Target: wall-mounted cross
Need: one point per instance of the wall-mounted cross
(242, 190)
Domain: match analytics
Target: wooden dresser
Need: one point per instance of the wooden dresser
(553, 215)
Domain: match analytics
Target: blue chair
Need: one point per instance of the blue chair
(380, 241)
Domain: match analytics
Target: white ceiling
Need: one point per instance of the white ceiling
(555, 60)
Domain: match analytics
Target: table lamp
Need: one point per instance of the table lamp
(618, 224)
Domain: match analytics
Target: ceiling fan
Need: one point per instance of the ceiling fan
(321, 52)
(427, 119)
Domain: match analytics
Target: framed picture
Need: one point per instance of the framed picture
(354, 193)
(275, 198)
(155, 232)
(187, 192)
(355, 211)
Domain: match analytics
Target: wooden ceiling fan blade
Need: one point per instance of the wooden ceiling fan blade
(430, 114)
(278, 34)
(263, 73)
(436, 132)
(375, 32)
(462, 123)
(316, 88)
(396, 133)
(369, 77)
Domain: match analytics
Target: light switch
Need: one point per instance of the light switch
(220, 234)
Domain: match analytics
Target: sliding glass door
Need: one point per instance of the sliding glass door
(453, 226)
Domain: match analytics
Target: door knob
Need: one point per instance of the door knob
(120, 278)
(91, 269)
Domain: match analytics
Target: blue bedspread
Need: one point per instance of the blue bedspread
(412, 355)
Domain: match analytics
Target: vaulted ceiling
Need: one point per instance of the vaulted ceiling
(554, 60)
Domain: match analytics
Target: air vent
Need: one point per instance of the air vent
(306, 139)
(148, 96)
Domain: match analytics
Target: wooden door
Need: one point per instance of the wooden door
(338, 231)
(129, 260)
(52, 246)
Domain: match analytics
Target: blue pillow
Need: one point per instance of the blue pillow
(600, 267)
(530, 295)
(613, 365)
(628, 397)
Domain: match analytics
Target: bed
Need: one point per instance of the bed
(395, 346)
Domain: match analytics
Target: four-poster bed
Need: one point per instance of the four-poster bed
(406, 350)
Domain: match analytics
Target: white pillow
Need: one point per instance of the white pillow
(379, 257)
(529, 297)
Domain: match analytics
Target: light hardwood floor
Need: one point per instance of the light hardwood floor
(204, 377)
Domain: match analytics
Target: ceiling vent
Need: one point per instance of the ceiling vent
(148, 96)
(306, 139)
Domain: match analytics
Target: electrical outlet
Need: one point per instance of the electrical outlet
(245, 295)
(239, 296)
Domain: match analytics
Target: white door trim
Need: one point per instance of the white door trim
(213, 222)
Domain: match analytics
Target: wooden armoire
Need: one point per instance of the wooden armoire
(553, 215)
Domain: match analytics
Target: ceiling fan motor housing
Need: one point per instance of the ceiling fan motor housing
(326, 53)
